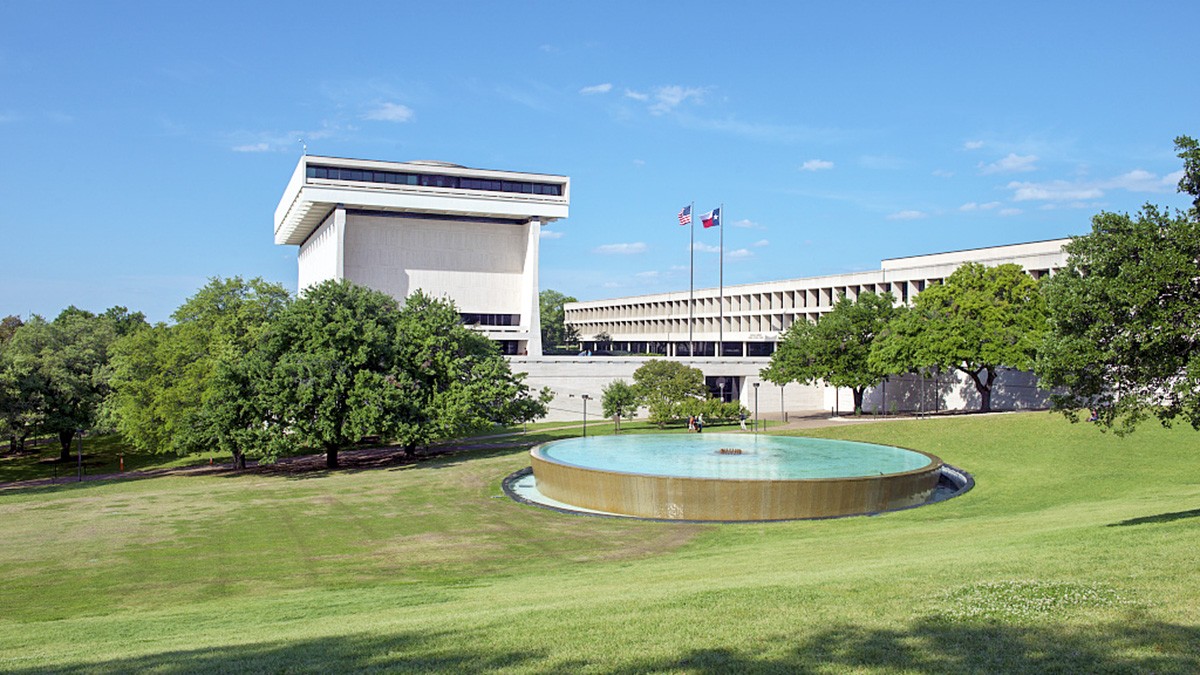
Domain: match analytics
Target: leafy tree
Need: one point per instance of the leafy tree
(22, 384)
(1124, 336)
(9, 326)
(619, 399)
(663, 386)
(324, 370)
(837, 348)
(453, 380)
(980, 319)
(555, 331)
(163, 376)
(713, 409)
(58, 372)
(344, 361)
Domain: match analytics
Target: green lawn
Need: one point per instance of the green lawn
(1076, 552)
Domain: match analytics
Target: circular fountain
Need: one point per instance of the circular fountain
(730, 477)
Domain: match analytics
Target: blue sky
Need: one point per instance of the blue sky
(144, 146)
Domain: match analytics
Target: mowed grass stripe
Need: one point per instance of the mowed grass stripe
(422, 568)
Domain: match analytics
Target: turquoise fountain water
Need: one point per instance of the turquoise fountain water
(760, 458)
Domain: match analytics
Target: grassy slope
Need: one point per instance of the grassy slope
(1076, 552)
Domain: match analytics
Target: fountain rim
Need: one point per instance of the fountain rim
(935, 462)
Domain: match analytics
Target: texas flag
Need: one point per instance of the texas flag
(712, 218)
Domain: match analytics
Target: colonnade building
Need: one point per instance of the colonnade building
(468, 235)
(747, 320)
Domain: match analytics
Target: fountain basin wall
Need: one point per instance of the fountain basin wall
(657, 493)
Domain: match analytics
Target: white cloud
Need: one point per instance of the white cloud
(1012, 163)
(1010, 212)
(816, 165)
(748, 224)
(390, 112)
(739, 253)
(760, 243)
(670, 97)
(252, 147)
(1140, 180)
(639, 162)
(972, 206)
(621, 249)
(636, 95)
(597, 89)
(942, 173)
(705, 248)
(551, 234)
(906, 215)
(1054, 191)
(972, 145)
(650, 274)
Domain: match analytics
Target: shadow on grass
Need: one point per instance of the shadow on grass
(938, 646)
(927, 646)
(1160, 518)
(344, 654)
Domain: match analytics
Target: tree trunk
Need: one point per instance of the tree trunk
(858, 397)
(410, 449)
(64, 440)
(239, 460)
(331, 461)
(984, 387)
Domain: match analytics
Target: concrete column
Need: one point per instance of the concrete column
(531, 310)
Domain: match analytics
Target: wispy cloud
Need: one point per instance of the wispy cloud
(1054, 191)
(972, 145)
(636, 95)
(816, 165)
(748, 224)
(705, 248)
(649, 274)
(972, 206)
(551, 234)
(390, 112)
(739, 254)
(1011, 163)
(597, 89)
(761, 243)
(1010, 212)
(942, 173)
(908, 214)
(672, 96)
(621, 249)
(252, 147)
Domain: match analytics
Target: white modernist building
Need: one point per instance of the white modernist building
(747, 320)
(469, 235)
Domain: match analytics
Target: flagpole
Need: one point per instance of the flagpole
(721, 292)
(692, 280)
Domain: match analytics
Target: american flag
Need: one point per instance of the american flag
(685, 216)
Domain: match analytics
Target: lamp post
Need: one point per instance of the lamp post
(721, 386)
(585, 398)
(756, 407)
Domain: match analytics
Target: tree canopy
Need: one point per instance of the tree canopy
(555, 331)
(979, 320)
(163, 376)
(663, 386)
(619, 399)
(836, 349)
(1124, 337)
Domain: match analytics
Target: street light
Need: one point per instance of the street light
(756, 407)
(585, 398)
(721, 386)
